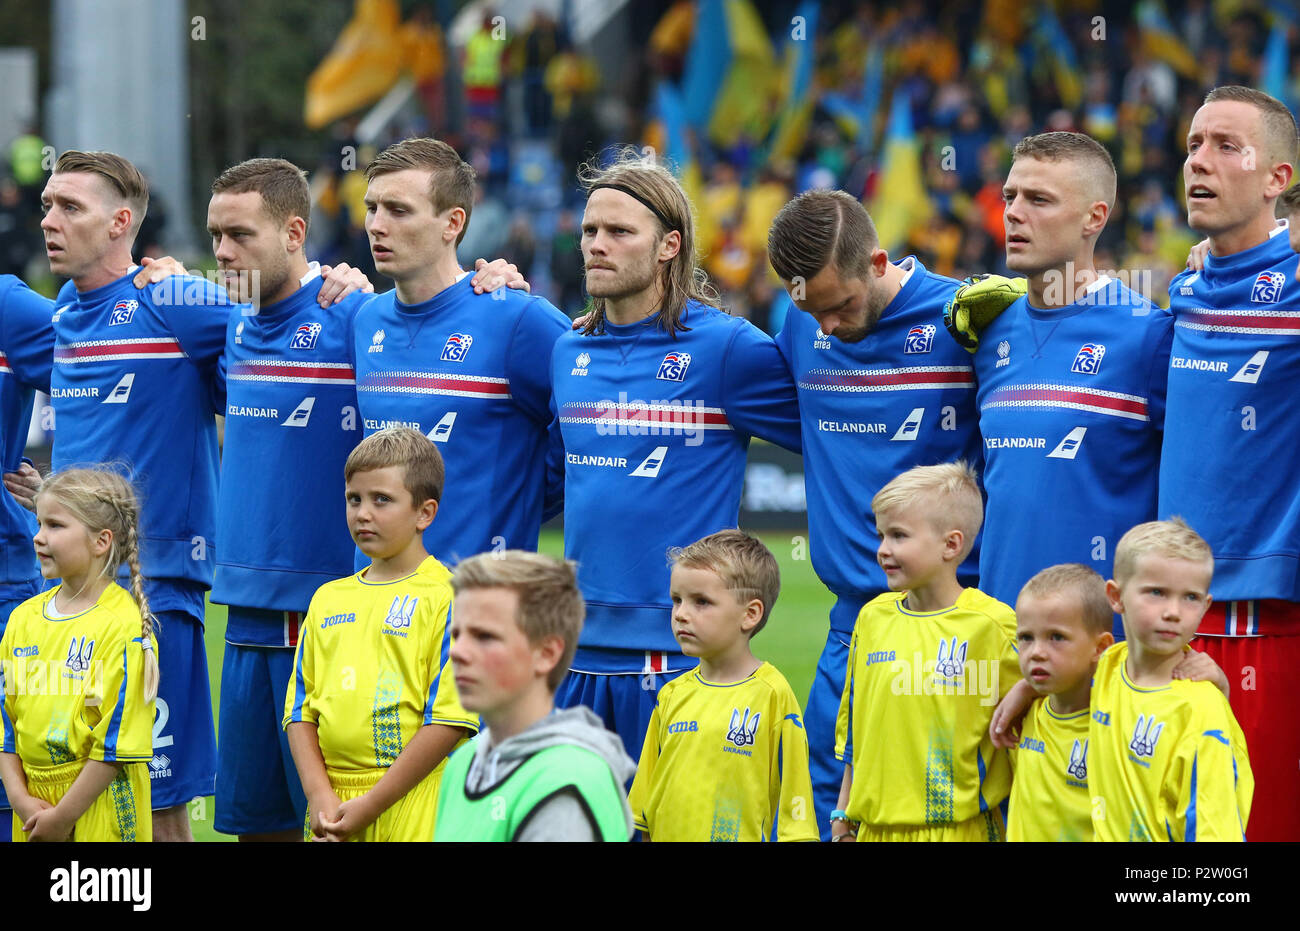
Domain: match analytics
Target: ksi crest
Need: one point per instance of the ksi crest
(457, 347)
(674, 366)
(305, 336)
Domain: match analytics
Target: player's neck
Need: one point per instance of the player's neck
(1248, 236)
(1150, 670)
(1064, 285)
(522, 713)
(733, 665)
(939, 594)
(1072, 699)
(400, 565)
(441, 274)
(110, 267)
(80, 592)
(298, 268)
(633, 308)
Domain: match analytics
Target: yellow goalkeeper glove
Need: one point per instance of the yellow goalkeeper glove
(977, 303)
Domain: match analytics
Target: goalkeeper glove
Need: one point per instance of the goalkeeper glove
(977, 303)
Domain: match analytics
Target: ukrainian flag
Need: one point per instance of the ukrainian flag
(900, 202)
(731, 80)
(792, 122)
(1160, 40)
(1060, 53)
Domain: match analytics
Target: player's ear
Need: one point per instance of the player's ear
(296, 233)
(670, 245)
(879, 262)
(121, 224)
(547, 653)
(1113, 596)
(1104, 643)
(425, 514)
(753, 614)
(952, 543)
(455, 223)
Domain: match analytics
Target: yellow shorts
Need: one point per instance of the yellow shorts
(987, 826)
(121, 813)
(410, 819)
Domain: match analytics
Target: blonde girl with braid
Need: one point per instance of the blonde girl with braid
(80, 672)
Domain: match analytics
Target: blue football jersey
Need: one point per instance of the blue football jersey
(904, 396)
(472, 372)
(655, 428)
(1232, 431)
(1071, 411)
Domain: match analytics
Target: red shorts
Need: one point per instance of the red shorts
(1266, 702)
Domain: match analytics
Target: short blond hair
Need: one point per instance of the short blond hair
(1078, 582)
(451, 178)
(949, 492)
(1172, 538)
(550, 604)
(123, 177)
(746, 567)
(423, 469)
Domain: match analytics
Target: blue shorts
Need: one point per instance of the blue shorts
(184, 763)
(258, 789)
(623, 702)
(823, 707)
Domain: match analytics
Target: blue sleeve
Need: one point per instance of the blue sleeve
(27, 338)
(198, 314)
(528, 360)
(1159, 384)
(759, 389)
(785, 337)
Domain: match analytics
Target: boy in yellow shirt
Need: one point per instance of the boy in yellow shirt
(372, 712)
(1169, 761)
(928, 662)
(725, 755)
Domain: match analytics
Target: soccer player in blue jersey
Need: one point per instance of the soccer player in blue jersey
(469, 370)
(1232, 432)
(26, 350)
(133, 380)
(657, 398)
(1071, 378)
(881, 389)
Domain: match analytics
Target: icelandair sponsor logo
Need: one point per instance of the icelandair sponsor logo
(301, 414)
(604, 462)
(441, 431)
(1199, 365)
(374, 426)
(377, 342)
(122, 312)
(59, 393)
(1004, 354)
(239, 410)
(650, 466)
(674, 366)
(580, 364)
(919, 339)
(911, 425)
(1014, 442)
(1088, 359)
(121, 392)
(336, 619)
(844, 426)
(1249, 373)
(1268, 287)
(305, 336)
(1068, 448)
(456, 347)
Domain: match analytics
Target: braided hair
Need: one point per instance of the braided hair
(101, 499)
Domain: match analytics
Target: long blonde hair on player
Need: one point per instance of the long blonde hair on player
(101, 499)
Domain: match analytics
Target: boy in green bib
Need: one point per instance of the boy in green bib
(532, 774)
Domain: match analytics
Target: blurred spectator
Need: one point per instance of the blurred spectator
(566, 264)
(536, 50)
(520, 245)
(19, 237)
(481, 71)
(486, 236)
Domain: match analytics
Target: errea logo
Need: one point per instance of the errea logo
(377, 342)
(580, 364)
(1004, 354)
(239, 333)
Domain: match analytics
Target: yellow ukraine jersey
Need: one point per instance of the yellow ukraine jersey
(725, 762)
(372, 667)
(1168, 763)
(1049, 795)
(74, 686)
(918, 697)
